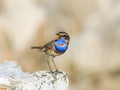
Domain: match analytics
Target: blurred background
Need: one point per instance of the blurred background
(92, 61)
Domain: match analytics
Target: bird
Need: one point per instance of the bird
(55, 47)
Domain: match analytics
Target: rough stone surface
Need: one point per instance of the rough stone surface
(13, 78)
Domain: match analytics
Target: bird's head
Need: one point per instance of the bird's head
(63, 35)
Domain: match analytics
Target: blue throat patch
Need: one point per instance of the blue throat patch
(60, 45)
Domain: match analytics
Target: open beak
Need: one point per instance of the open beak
(57, 33)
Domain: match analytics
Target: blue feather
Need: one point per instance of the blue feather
(61, 48)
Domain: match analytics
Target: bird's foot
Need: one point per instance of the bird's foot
(55, 71)
(58, 71)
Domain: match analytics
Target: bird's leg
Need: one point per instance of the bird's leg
(55, 65)
(49, 65)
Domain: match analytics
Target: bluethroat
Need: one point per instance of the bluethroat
(55, 47)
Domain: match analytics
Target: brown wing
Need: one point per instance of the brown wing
(47, 46)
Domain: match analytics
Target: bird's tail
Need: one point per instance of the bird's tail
(36, 47)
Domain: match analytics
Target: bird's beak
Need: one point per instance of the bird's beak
(57, 33)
